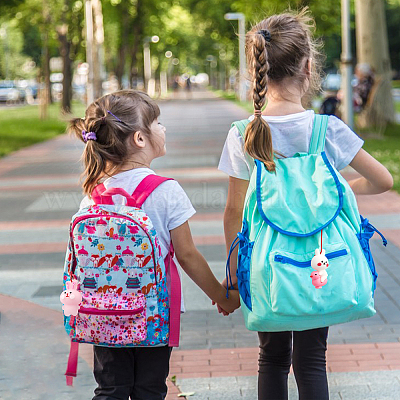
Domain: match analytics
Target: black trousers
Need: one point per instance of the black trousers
(138, 373)
(307, 357)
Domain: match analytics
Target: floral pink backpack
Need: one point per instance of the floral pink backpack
(119, 291)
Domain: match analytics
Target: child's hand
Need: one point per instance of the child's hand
(231, 304)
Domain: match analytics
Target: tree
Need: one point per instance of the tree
(393, 23)
(372, 48)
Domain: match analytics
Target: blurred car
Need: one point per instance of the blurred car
(332, 82)
(10, 93)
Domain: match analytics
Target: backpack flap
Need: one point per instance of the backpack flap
(301, 197)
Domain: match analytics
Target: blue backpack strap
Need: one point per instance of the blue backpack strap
(317, 142)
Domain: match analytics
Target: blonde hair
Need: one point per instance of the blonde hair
(273, 57)
(113, 118)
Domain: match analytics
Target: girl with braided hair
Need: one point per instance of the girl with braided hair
(284, 67)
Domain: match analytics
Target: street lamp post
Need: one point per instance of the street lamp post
(242, 57)
(346, 66)
(164, 76)
(149, 81)
(89, 51)
(212, 64)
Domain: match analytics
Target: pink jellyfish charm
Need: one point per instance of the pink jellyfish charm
(71, 299)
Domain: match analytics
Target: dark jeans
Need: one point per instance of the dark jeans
(307, 357)
(138, 373)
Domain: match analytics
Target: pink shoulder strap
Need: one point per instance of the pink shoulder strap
(72, 365)
(146, 187)
(174, 282)
(101, 195)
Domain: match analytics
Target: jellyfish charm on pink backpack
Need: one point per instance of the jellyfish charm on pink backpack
(71, 298)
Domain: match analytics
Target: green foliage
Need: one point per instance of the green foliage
(32, 43)
(393, 23)
(190, 29)
(8, 6)
(12, 59)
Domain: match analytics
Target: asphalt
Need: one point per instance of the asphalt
(217, 358)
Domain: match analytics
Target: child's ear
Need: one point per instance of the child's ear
(138, 139)
(308, 67)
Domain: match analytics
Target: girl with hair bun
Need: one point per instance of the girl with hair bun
(284, 66)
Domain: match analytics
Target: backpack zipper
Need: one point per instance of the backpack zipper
(306, 264)
(95, 311)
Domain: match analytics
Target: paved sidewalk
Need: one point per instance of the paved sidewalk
(217, 358)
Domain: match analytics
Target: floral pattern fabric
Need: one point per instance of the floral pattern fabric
(111, 319)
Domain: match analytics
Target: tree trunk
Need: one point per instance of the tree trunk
(46, 60)
(120, 67)
(98, 54)
(67, 72)
(137, 39)
(373, 49)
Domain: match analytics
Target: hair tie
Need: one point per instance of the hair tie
(265, 34)
(103, 120)
(257, 113)
(114, 116)
(88, 136)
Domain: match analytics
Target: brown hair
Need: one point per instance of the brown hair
(113, 117)
(273, 57)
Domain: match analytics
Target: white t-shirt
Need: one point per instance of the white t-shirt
(291, 134)
(168, 206)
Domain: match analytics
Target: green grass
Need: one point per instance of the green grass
(22, 127)
(396, 84)
(387, 151)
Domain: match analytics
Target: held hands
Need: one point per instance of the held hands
(229, 305)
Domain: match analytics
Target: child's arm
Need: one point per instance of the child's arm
(233, 218)
(375, 177)
(195, 265)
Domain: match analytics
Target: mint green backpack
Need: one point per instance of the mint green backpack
(304, 260)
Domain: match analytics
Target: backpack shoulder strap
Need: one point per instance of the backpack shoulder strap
(146, 187)
(174, 297)
(317, 142)
(241, 126)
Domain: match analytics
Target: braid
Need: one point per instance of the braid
(260, 69)
(258, 140)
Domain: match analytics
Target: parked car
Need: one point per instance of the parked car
(10, 93)
(28, 89)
